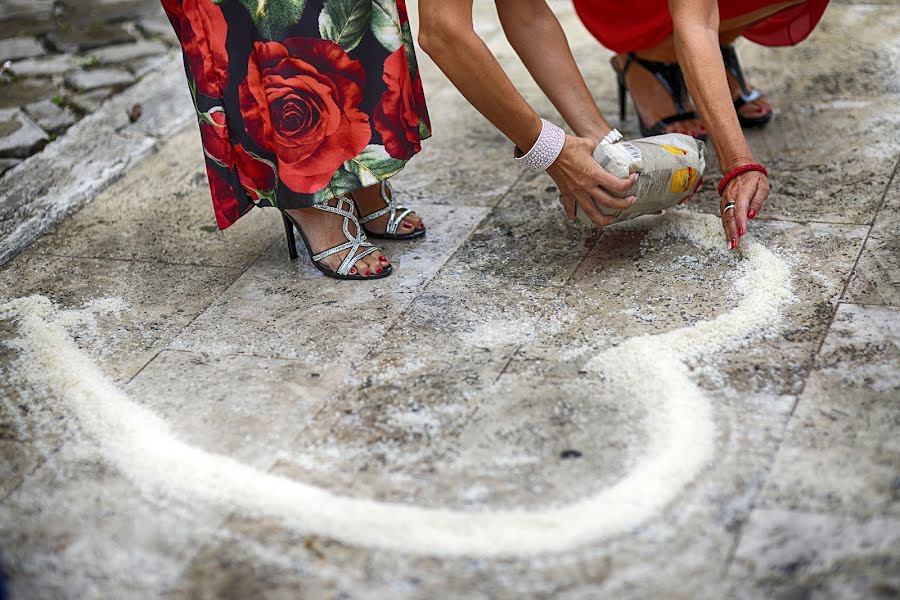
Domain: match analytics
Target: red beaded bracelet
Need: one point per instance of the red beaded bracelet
(740, 171)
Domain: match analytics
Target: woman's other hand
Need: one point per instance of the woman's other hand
(749, 192)
(582, 182)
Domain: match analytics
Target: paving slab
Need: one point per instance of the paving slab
(629, 286)
(788, 554)
(180, 230)
(460, 382)
(876, 278)
(841, 453)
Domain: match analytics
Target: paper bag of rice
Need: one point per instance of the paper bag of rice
(669, 169)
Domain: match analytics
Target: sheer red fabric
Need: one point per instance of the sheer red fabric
(640, 24)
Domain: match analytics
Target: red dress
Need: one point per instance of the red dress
(640, 24)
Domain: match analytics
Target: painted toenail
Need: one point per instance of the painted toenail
(379, 271)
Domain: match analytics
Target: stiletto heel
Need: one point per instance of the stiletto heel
(748, 94)
(671, 78)
(396, 214)
(289, 235)
(356, 245)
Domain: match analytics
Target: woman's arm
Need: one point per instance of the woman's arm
(448, 36)
(696, 24)
(527, 22)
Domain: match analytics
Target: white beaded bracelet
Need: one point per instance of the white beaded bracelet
(611, 138)
(546, 149)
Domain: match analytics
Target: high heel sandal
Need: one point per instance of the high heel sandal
(672, 79)
(394, 220)
(748, 94)
(347, 209)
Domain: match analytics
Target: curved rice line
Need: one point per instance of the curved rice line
(680, 428)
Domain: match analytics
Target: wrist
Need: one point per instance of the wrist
(546, 148)
(731, 174)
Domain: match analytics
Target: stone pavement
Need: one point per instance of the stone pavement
(61, 59)
(462, 381)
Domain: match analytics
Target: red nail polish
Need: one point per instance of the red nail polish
(379, 271)
(382, 259)
(733, 244)
(741, 232)
(752, 214)
(367, 273)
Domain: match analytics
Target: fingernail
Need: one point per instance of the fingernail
(379, 271)
(741, 232)
(752, 214)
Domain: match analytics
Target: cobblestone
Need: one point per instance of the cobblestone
(61, 59)
(51, 117)
(85, 81)
(20, 47)
(19, 135)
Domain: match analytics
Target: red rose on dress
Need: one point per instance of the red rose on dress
(256, 174)
(300, 102)
(202, 30)
(216, 141)
(402, 105)
(224, 201)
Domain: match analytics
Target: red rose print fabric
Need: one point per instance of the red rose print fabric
(299, 102)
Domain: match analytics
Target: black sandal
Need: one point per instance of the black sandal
(748, 94)
(672, 79)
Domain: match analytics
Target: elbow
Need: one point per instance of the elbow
(433, 44)
(437, 37)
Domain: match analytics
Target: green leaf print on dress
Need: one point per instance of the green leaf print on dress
(345, 22)
(386, 26)
(274, 18)
(374, 164)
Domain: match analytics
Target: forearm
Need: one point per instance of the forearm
(537, 37)
(472, 68)
(697, 45)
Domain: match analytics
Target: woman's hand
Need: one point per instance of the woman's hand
(582, 182)
(749, 191)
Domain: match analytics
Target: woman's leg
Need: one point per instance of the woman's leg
(729, 31)
(650, 97)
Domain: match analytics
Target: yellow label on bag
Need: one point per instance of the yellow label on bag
(673, 149)
(682, 180)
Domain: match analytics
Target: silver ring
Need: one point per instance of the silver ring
(729, 206)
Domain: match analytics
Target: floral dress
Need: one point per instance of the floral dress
(300, 101)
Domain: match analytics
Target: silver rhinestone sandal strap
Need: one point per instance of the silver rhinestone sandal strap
(331, 251)
(375, 215)
(397, 219)
(352, 259)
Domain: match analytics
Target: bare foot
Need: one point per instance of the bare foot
(324, 230)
